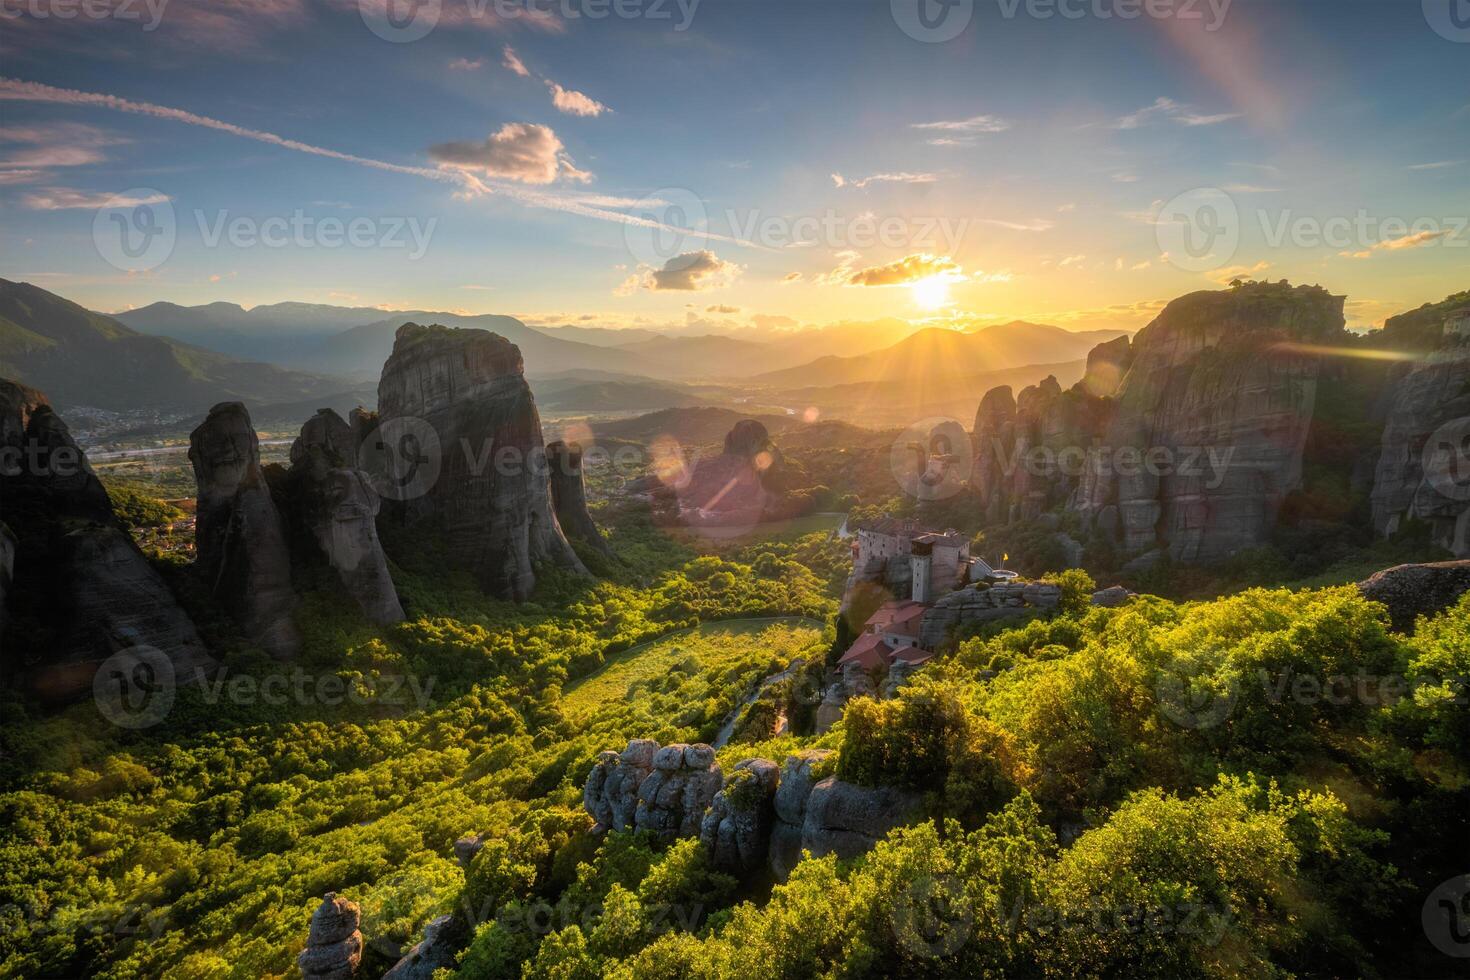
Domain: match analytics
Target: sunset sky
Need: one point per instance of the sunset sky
(1015, 171)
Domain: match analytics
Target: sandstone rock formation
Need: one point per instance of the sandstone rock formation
(337, 505)
(334, 944)
(467, 847)
(7, 572)
(243, 557)
(442, 940)
(794, 788)
(736, 831)
(854, 682)
(569, 494)
(456, 402)
(740, 486)
(1423, 467)
(84, 588)
(1410, 591)
(979, 604)
(662, 790)
(1111, 597)
(1186, 440)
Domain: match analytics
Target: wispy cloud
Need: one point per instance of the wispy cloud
(1250, 189)
(511, 62)
(525, 152)
(902, 177)
(1418, 240)
(66, 199)
(1231, 272)
(465, 64)
(1438, 165)
(16, 90)
(910, 268)
(974, 124)
(1036, 224)
(1180, 113)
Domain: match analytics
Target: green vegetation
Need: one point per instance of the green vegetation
(1142, 791)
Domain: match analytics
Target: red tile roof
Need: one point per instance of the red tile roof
(869, 650)
(897, 616)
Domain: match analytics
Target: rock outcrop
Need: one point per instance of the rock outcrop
(336, 504)
(799, 773)
(7, 572)
(741, 486)
(1411, 591)
(85, 589)
(457, 402)
(569, 494)
(443, 938)
(828, 816)
(334, 944)
(664, 790)
(982, 603)
(1423, 467)
(736, 831)
(1111, 597)
(853, 682)
(243, 557)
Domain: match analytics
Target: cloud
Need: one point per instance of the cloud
(1230, 272)
(1140, 266)
(1437, 165)
(721, 308)
(574, 103)
(56, 145)
(20, 176)
(975, 124)
(525, 152)
(511, 62)
(952, 141)
(1071, 260)
(902, 177)
(910, 268)
(791, 277)
(1169, 109)
(465, 64)
(692, 271)
(1250, 189)
(67, 199)
(1035, 224)
(586, 206)
(1125, 177)
(1418, 240)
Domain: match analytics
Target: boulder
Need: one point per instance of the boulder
(66, 562)
(243, 557)
(793, 789)
(847, 820)
(333, 944)
(664, 790)
(337, 506)
(736, 830)
(456, 402)
(442, 940)
(569, 494)
(467, 847)
(1411, 591)
(1111, 597)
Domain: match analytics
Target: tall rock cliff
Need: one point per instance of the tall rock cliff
(81, 590)
(569, 494)
(1187, 440)
(458, 403)
(243, 557)
(1423, 467)
(333, 502)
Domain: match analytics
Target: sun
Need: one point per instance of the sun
(931, 293)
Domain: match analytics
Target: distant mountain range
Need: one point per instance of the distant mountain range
(940, 355)
(83, 358)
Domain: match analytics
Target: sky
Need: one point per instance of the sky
(723, 165)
